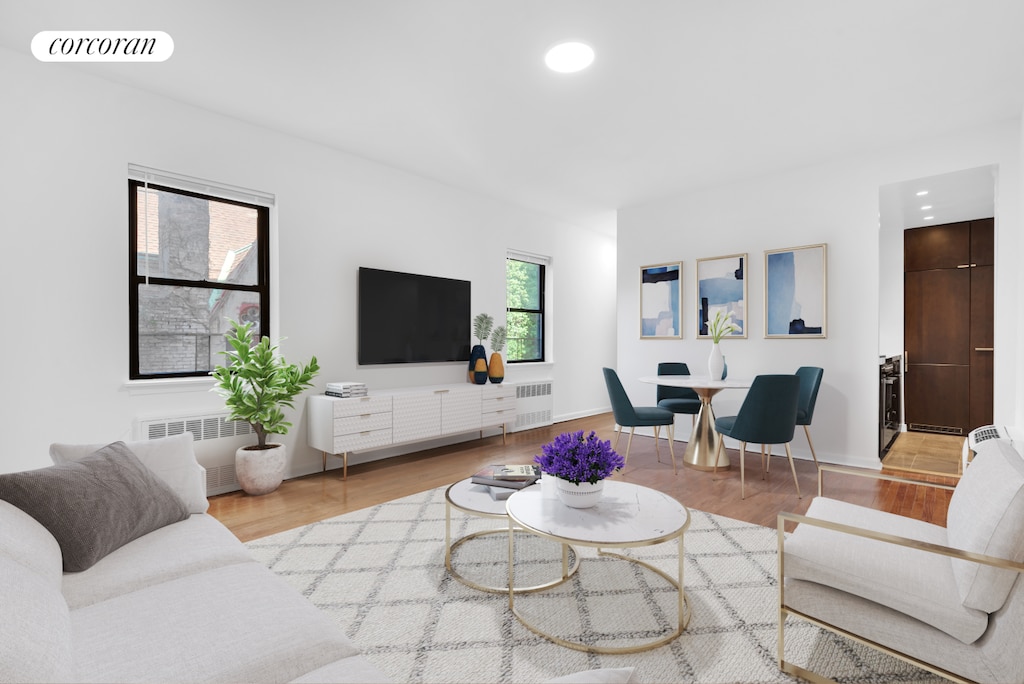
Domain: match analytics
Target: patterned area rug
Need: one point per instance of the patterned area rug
(380, 573)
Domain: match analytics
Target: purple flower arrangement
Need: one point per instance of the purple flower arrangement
(572, 457)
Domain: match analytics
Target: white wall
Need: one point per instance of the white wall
(67, 142)
(836, 203)
(1017, 312)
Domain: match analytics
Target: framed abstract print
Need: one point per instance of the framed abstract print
(661, 295)
(722, 286)
(796, 292)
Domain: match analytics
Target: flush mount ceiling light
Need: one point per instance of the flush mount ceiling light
(567, 58)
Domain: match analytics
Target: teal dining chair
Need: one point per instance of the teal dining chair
(627, 415)
(677, 399)
(810, 381)
(767, 416)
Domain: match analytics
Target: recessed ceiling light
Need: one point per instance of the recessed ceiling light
(926, 207)
(928, 218)
(922, 193)
(567, 58)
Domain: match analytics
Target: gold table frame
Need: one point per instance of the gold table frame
(568, 570)
(683, 608)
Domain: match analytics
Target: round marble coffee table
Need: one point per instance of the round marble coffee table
(476, 500)
(628, 516)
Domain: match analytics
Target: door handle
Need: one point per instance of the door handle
(991, 349)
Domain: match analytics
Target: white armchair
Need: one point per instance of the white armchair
(947, 599)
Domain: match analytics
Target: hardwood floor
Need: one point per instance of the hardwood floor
(923, 452)
(323, 495)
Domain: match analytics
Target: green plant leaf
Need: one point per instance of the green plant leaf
(256, 381)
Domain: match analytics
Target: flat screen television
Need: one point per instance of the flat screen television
(410, 318)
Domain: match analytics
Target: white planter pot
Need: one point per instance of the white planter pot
(716, 363)
(260, 471)
(582, 495)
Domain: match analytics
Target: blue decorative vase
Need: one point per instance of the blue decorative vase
(725, 368)
(478, 365)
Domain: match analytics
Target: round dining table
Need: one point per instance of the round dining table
(702, 448)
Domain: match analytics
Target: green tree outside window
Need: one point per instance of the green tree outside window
(525, 310)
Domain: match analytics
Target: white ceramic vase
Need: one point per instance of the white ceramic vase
(260, 471)
(716, 362)
(582, 495)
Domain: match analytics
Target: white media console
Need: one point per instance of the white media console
(339, 426)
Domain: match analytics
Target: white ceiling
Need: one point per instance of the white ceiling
(950, 197)
(682, 94)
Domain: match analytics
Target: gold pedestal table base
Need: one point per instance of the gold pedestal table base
(702, 448)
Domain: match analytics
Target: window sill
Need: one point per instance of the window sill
(142, 387)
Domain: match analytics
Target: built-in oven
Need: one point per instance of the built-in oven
(889, 414)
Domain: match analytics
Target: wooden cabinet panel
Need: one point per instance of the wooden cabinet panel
(945, 246)
(983, 242)
(982, 306)
(937, 316)
(936, 397)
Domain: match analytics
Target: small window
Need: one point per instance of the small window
(197, 261)
(524, 282)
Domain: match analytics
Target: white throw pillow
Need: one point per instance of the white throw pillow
(986, 515)
(171, 458)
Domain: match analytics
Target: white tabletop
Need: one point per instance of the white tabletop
(628, 514)
(476, 498)
(696, 381)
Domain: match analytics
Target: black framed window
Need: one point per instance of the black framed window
(524, 317)
(196, 261)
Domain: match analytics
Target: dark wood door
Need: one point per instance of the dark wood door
(948, 308)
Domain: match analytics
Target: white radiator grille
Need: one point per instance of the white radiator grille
(220, 478)
(534, 404)
(212, 426)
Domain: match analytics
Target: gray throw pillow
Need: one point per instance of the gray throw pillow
(96, 504)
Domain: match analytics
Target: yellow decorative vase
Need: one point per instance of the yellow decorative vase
(496, 369)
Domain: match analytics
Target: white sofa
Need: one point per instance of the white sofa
(182, 603)
(167, 593)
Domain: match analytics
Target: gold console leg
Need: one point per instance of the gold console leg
(344, 464)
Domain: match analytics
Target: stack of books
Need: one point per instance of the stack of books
(503, 480)
(346, 389)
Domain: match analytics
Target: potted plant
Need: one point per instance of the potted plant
(579, 465)
(496, 368)
(256, 382)
(478, 355)
(718, 328)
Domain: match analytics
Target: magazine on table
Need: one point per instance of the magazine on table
(507, 476)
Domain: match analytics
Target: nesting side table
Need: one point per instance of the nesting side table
(474, 499)
(628, 516)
